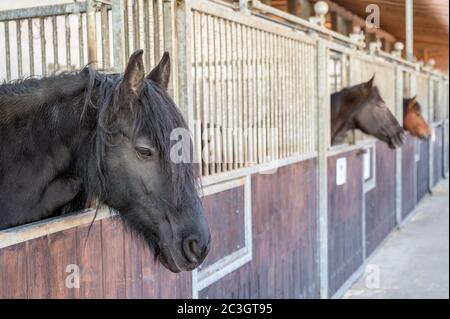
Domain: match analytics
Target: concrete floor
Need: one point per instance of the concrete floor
(414, 261)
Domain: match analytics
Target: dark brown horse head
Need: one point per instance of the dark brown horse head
(413, 120)
(362, 107)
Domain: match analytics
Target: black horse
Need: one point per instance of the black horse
(362, 107)
(69, 138)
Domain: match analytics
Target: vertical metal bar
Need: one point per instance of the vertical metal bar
(19, 48)
(31, 45)
(211, 90)
(7, 52)
(197, 72)
(81, 40)
(55, 43)
(218, 89)
(223, 81)
(398, 153)
(205, 92)
(68, 35)
(323, 101)
(91, 32)
(105, 37)
(43, 45)
(409, 29)
(118, 34)
(136, 25)
(147, 23)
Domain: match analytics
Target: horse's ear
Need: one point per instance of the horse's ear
(369, 83)
(412, 102)
(161, 73)
(133, 78)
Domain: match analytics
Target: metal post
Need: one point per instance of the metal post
(431, 141)
(323, 101)
(91, 32)
(398, 153)
(118, 35)
(409, 30)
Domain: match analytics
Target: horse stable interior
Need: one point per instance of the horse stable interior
(291, 215)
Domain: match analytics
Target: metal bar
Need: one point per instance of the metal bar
(7, 52)
(323, 141)
(43, 46)
(42, 11)
(31, 45)
(91, 25)
(118, 34)
(19, 48)
(409, 33)
(105, 37)
(68, 36)
(81, 40)
(55, 43)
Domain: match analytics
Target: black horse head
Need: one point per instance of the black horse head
(362, 107)
(104, 136)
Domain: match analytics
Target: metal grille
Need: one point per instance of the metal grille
(422, 94)
(144, 29)
(43, 40)
(253, 94)
(384, 80)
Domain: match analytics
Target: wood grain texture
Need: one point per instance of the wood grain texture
(380, 201)
(345, 250)
(285, 251)
(225, 214)
(113, 259)
(89, 259)
(13, 272)
(62, 253)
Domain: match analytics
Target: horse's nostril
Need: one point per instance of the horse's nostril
(192, 250)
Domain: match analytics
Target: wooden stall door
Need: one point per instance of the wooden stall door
(345, 242)
(285, 252)
(380, 201)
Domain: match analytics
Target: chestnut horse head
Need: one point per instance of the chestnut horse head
(413, 121)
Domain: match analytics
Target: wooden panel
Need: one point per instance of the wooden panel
(422, 170)
(89, 257)
(13, 272)
(225, 214)
(345, 250)
(437, 155)
(285, 251)
(380, 201)
(113, 259)
(112, 263)
(38, 256)
(408, 175)
(62, 253)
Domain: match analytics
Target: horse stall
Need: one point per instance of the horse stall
(290, 215)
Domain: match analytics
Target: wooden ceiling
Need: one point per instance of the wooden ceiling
(431, 24)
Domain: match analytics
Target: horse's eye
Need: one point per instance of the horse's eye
(145, 151)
